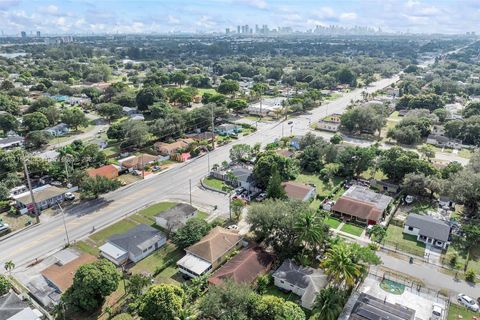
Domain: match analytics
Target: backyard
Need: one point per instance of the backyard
(404, 242)
(474, 261)
(323, 187)
(332, 222)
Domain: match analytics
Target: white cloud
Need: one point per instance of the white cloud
(325, 13)
(173, 20)
(50, 9)
(259, 4)
(348, 16)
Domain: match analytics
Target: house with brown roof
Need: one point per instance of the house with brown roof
(362, 205)
(109, 171)
(137, 162)
(210, 252)
(245, 267)
(299, 191)
(61, 276)
(285, 153)
(168, 149)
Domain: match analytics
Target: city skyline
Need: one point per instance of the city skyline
(165, 16)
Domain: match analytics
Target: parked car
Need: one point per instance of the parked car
(468, 302)
(262, 196)
(69, 196)
(239, 190)
(437, 312)
(232, 227)
(408, 199)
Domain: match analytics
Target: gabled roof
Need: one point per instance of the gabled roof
(245, 267)
(215, 244)
(181, 143)
(357, 208)
(243, 174)
(137, 239)
(296, 190)
(429, 226)
(137, 161)
(62, 276)
(300, 276)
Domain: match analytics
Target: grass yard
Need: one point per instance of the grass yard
(274, 291)
(403, 242)
(84, 246)
(465, 153)
(216, 184)
(456, 312)
(155, 209)
(323, 187)
(201, 91)
(473, 263)
(420, 207)
(352, 229)
(332, 222)
(128, 178)
(16, 221)
(120, 227)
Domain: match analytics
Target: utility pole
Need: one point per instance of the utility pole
(208, 161)
(230, 205)
(213, 127)
(35, 208)
(143, 169)
(190, 184)
(64, 223)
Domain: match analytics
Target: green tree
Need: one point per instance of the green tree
(123, 316)
(368, 119)
(275, 189)
(190, 233)
(147, 96)
(35, 121)
(37, 139)
(52, 113)
(74, 117)
(136, 133)
(397, 162)
(4, 285)
(378, 232)
(269, 161)
(329, 304)
(336, 138)
(161, 302)
(179, 77)
(92, 187)
(355, 160)
(237, 206)
(310, 228)
(339, 265)
(7, 104)
(41, 103)
(228, 87)
(136, 284)
(8, 123)
(92, 282)
(237, 105)
(269, 307)
(110, 111)
(240, 152)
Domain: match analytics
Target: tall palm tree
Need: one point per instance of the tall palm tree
(9, 266)
(341, 266)
(310, 229)
(329, 303)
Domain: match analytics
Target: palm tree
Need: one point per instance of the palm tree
(329, 303)
(9, 266)
(310, 228)
(341, 266)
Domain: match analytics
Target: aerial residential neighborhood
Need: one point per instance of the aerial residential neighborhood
(239, 160)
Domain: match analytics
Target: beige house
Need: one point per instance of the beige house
(210, 252)
(168, 149)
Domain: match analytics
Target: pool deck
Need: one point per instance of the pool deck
(421, 303)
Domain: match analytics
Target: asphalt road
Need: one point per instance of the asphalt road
(174, 184)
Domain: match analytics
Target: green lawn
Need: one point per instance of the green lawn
(465, 153)
(155, 209)
(323, 187)
(201, 91)
(404, 242)
(216, 184)
(352, 229)
(420, 207)
(120, 227)
(454, 311)
(167, 254)
(332, 222)
(274, 291)
(473, 263)
(87, 248)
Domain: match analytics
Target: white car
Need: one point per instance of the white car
(408, 199)
(232, 227)
(437, 312)
(69, 196)
(468, 302)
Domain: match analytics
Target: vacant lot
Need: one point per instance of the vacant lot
(216, 184)
(456, 312)
(323, 187)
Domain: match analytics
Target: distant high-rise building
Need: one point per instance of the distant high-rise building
(247, 29)
(227, 31)
(238, 29)
(257, 29)
(38, 34)
(24, 34)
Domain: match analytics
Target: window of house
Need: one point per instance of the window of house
(410, 228)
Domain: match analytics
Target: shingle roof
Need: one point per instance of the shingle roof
(357, 208)
(300, 276)
(177, 212)
(369, 307)
(429, 226)
(245, 267)
(10, 305)
(107, 171)
(215, 244)
(137, 239)
(62, 276)
(296, 190)
(243, 174)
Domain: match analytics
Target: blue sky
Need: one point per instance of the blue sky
(147, 16)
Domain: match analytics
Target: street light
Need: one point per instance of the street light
(64, 223)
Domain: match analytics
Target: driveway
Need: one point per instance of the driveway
(433, 254)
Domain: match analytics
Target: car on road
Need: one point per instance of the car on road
(437, 312)
(468, 302)
(69, 196)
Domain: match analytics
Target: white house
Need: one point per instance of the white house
(305, 282)
(175, 217)
(134, 245)
(58, 130)
(428, 230)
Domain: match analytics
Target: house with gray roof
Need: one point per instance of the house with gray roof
(429, 230)
(133, 245)
(12, 141)
(175, 217)
(305, 282)
(12, 307)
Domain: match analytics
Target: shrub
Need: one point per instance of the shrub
(470, 276)
(4, 285)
